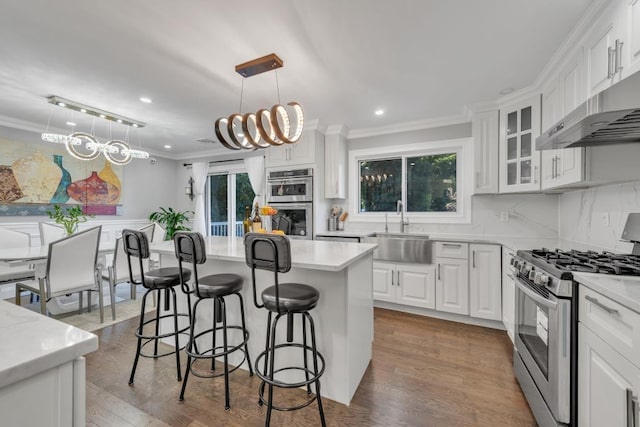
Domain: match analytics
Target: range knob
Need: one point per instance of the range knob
(544, 279)
(532, 274)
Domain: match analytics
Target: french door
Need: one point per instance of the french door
(229, 193)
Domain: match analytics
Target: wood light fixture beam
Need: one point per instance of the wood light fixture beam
(260, 65)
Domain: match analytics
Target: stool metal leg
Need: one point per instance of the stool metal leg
(315, 366)
(155, 345)
(190, 348)
(271, 375)
(266, 356)
(304, 351)
(214, 325)
(244, 332)
(175, 323)
(139, 346)
(223, 309)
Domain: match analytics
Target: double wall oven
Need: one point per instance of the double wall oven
(291, 193)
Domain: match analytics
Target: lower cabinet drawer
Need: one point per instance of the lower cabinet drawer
(615, 324)
(452, 250)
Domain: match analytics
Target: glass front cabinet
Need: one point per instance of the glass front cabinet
(519, 160)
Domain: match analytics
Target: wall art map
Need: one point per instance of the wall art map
(33, 177)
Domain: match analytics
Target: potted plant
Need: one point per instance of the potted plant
(171, 220)
(69, 218)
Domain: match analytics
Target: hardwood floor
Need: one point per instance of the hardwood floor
(424, 372)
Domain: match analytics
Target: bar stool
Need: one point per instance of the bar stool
(136, 245)
(273, 253)
(190, 248)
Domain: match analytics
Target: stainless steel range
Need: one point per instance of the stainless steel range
(545, 356)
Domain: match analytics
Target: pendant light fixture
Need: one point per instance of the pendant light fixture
(266, 127)
(85, 146)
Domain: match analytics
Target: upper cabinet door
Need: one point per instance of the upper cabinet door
(605, 51)
(633, 37)
(335, 166)
(519, 160)
(486, 141)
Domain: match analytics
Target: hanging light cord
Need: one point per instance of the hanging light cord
(278, 87)
(241, 94)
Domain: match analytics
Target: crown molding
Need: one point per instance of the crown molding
(464, 117)
(594, 11)
(337, 130)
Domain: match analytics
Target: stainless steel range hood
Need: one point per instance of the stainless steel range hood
(610, 117)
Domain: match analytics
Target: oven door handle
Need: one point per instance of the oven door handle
(534, 296)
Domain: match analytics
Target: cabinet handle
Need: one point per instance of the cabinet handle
(473, 259)
(595, 301)
(618, 56)
(535, 175)
(453, 245)
(553, 167)
(393, 277)
(398, 279)
(611, 52)
(438, 271)
(557, 166)
(632, 409)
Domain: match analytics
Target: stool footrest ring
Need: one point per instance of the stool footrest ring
(313, 378)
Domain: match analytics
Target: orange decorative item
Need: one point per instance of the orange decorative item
(108, 175)
(94, 191)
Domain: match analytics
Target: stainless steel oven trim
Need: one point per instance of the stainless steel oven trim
(555, 388)
(301, 198)
(308, 207)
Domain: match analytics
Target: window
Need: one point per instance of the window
(229, 194)
(430, 182)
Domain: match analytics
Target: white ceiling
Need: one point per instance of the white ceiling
(416, 59)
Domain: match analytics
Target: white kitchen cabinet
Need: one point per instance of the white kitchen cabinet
(485, 284)
(565, 167)
(301, 152)
(604, 50)
(408, 284)
(519, 161)
(508, 293)
(335, 165)
(632, 52)
(486, 141)
(452, 285)
(609, 384)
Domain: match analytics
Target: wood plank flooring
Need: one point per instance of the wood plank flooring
(424, 372)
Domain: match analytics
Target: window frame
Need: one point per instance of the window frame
(463, 149)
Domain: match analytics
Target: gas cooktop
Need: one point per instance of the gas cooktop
(584, 261)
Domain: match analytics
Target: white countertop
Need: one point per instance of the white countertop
(622, 289)
(31, 343)
(312, 254)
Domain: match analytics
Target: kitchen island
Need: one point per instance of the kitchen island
(341, 272)
(42, 369)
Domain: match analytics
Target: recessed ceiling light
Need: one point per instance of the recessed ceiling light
(62, 104)
(119, 120)
(82, 110)
(71, 124)
(506, 91)
(102, 116)
(167, 146)
(145, 100)
(379, 112)
(135, 125)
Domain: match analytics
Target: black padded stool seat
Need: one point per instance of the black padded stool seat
(165, 277)
(219, 285)
(293, 297)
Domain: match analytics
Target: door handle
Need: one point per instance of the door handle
(595, 301)
(618, 61)
(611, 52)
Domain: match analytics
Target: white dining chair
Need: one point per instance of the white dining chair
(50, 232)
(10, 239)
(72, 266)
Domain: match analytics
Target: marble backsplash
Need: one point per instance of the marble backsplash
(530, 215)
(583, 215)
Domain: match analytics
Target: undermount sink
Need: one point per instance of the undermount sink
(402, 247)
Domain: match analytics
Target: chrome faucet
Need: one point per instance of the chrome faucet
(400, 210)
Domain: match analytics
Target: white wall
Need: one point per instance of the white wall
(581, 215)
(145, 186)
